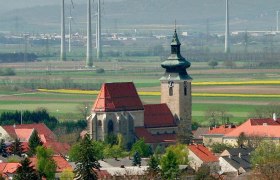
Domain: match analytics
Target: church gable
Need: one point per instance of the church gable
(158, 115)
(117, 97)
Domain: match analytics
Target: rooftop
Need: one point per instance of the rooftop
(203, 153)
(141, 132)
(221, 130)
(265, 127)
(117, 97)
(158, 115)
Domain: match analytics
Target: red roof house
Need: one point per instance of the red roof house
(8, 169)
(116, 97)
(61, 163)
(265, 127)
(199, 154)
(23, 130)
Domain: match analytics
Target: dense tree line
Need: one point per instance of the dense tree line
(17, 57)
(40, 116)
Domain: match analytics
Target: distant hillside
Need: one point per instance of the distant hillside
(118, 14)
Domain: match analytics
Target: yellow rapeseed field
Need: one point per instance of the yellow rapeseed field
(146, 93)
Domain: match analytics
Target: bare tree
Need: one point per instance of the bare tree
(84, 109)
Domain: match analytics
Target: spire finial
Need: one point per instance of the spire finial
(175, 25)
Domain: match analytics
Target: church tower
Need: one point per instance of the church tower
(176, 84)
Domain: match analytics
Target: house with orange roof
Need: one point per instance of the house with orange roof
(216, 134)
(268, 128)
(200, 155)
(8, 169)
(118, 108)
(24, 132)
(61, 164)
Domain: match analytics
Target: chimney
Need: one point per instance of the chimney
(239, 155)
(274, 117)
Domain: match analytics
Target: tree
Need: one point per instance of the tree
(181, 152)
(219, 147)
(169, 166)
(266, 160)
(153, 165)
(203, 173)
(242, 139)
(46, 166)
(84, 109)
(213, 64)
(113, 152)
(3, 150)
(26, 171)
(184, 134)
(33, 143)
(266, 111)
(142, 148)
(111, 139)
(86, 160)
(136, 159)
(16, 147)
(67, 174)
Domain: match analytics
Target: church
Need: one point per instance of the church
(118, 108)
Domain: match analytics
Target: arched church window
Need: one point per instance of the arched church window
(110, 127)
(170, 86)
(99, 123)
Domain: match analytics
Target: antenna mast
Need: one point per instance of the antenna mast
(227, 50)
(70, 30)
(98, 48)
(62, 47)
(89, 61)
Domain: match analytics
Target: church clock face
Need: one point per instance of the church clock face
(170, 84)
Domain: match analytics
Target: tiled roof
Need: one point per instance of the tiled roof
(8, 168)
(203, 153)
(24, 134)
(154, 138)
(257, 127)
(197, 134)
(117, 97)
(158, 115)
(58, 147)
(41, 128)
(61, 163)
(221, 130)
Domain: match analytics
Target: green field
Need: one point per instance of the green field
(144, 74)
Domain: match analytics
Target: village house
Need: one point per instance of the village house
(235, 161)
(8, 170)
(216, 134)
(262, 128)
(200, 155)
(24, 131)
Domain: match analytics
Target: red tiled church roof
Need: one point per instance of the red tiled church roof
(203, 153)
(258, 127)
(117, 97)
(158, 115)
(141, 132)
(41, 128)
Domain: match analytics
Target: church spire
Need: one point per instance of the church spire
(176, 64)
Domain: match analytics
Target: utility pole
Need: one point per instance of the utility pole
(227, 49)
(70, 31)
(89, 61)
(277, 21)
(62, 47)
(98, 48)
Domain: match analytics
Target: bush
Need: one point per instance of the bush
(7, 72)
(219, 147)
(100, 70)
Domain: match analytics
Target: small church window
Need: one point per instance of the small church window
(185, 88)
(99, 123)
(170, 86)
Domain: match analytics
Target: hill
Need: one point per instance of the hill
(39, 15)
